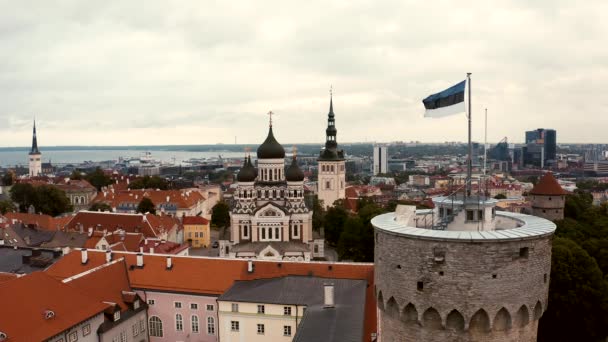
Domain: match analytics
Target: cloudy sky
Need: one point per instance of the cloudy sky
(202, 72)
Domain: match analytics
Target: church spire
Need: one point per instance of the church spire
(34, 141)
(331, 152)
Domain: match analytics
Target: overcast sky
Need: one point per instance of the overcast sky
(203, 72)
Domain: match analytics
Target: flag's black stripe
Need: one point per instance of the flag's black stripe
(444, 101)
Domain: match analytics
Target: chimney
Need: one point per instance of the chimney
(84, 257)
(151, 250)
(81, 228)
(168, 198)
(169, 263)
(140, 260)
(250, 266)
(90, 231)
(141, 249)
(328, 295)
(108, 255)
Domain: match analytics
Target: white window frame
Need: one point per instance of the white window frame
(193, 306)
(261, 309)
(156, 330)
(123, 336)
(261, 329)
(210, 325)
(195, 324)
(210, 307)
(177, 305)
(234, 326)
(116, 315)
(287, 311)
(135, 329)
(234, 307)
(86, 330)
(73, 336)
(151, 302)
(287, 330)
(179, 322)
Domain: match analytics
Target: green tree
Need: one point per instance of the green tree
(24, 195)
(500, 196)
(318, 214)
(98, 179)
(577, 203)
(100, 206)
(578, 297)
(220, 216)
(334, 223)
(147, 182)
(8, 178)
(76, 175)
(51, 200)
(7, 206)
(351, 245)
(146, 206)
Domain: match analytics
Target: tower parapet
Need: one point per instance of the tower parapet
(475, 278)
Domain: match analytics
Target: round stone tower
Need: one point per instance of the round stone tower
(548, 198)
(461, 272)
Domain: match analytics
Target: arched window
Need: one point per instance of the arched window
(210, 326)
(276, 234)
(155, 326)
(195, 324)
(270, 233)
(179, 322)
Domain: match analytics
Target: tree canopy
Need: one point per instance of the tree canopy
(100, 206)
(146, 206)
(45, 199)
(7, 206)
(98, 179)
(8, 178)
(147, 182)
(220, 216)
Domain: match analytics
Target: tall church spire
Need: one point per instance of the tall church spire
(34, 141)
(331, 151)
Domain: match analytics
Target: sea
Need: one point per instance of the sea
(13, 157)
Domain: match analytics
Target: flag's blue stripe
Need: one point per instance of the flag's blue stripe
(448, 97)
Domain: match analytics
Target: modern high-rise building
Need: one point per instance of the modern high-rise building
(541, 147)
(35, 165)
(380, 159)
(332, 168)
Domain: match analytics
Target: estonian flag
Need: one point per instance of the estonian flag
(447, 102)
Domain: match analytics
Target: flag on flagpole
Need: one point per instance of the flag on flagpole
(447, 102)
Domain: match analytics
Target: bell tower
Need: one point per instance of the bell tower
(332, 170)
(35, 163)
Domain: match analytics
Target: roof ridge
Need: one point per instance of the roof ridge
(92, 270)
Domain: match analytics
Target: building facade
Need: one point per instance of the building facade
(380, 159)
(332, 166)
(196, 231)
(269, 218)
(35, 157)
(541, 147)
(548, 198)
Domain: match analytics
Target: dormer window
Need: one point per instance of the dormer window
(116, 316)
(136, 304)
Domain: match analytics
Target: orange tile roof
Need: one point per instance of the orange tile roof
(184, 199)
(548, 185)
(162, 247)
(25, 320)
(105, 284)
(194, 220)
(193, 274)
(44, 222)
(133, 223)
(4, 277)
(130, 241)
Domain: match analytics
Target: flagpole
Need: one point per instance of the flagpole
(470, 157)
(485, 144)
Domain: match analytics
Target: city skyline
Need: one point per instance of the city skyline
(98, 74)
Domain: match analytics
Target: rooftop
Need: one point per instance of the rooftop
(26, 260)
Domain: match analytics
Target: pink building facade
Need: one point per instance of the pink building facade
(180, 316)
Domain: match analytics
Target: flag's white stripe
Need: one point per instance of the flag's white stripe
(457, 108)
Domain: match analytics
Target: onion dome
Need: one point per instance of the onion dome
(293, 172)
(270, 148)
(247, 172)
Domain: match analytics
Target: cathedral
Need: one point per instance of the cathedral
(35, 164)
(268, 218)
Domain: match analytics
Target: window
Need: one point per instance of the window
(480, 215)
(116, 316)
(523, 252)
(73, 336)
(123, 336)
(470, 215)
(234, 325)
(178, 305)
(210, 326)
(260, 309)
(235, 307)
(327, 185)
(287, 310)
(156, 327)
(260, 329)
(179, 323)
(151, 302)
(420, 286)
(193, 306)
(142, 325)
(210, 307)
(440, 212)
(86, 330)
(195, 324)
(136, 304)
(135, 329)
(287, 330)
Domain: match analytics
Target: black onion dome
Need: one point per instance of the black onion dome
(270, 148)
(247, 172)
(293, 172)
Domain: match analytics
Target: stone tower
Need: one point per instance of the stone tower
(35, 165)
(332, 170)
(461, 272)
(548, 198)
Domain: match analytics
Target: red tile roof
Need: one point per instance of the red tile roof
(548, 185)
(4, 277)
(44, 222)
(192, 274)
(194, 220)
(148, 225)
(161, 246)
(184, 199)
(24, 320)
(105, 284)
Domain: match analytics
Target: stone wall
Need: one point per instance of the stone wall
(549, 207)
(451, 290)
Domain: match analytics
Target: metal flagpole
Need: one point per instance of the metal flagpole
(485, 144)
(470, 157)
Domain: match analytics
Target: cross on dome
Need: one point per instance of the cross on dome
(270, 114)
